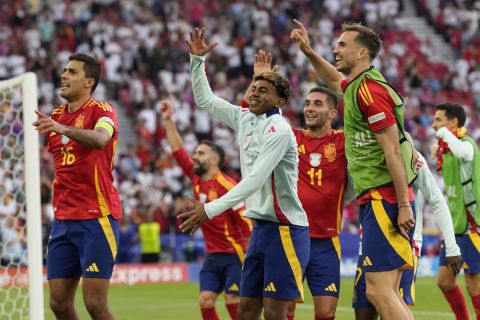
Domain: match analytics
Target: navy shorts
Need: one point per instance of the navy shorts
(221, 272)
(323, 269)
(383, 247)
(275, 262)
(84, 248)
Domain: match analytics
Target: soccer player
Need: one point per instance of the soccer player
(322, 179)
(458, 159)
(279, 247)
(82, 136)
(227, 234)
(425, 189)
(373, 125)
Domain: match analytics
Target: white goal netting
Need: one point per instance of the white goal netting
(21, 276)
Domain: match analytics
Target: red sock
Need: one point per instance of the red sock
(290, 316)
(320, 318)
(209, 314)
(476, 305)
(232, 310)
(457, 303)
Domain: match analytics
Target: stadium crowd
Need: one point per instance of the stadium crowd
(141, 47)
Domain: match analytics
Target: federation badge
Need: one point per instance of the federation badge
(330, 151)
(212, 194)
(79, 121)
(315, 159)
(65, 139)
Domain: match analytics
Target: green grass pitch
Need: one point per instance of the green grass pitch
(179, 302)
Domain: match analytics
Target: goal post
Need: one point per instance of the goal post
(19, 97)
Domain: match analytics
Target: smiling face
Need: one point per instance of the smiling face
(263, 97)
(347, 52)
(74, 83)
(318, 111)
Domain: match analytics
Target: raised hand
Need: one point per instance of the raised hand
(263, 63)
(194, 217)
(45, 124)
(197, 44)
(166, 107)
(300, 36)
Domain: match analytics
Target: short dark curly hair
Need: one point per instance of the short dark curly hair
(281, 84)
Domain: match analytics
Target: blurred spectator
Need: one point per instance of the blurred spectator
(149, 236)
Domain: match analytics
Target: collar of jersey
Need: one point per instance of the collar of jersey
(272, 112)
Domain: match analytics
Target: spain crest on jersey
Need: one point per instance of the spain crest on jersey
(212, 194)
(315, 159)
(330, 151)
(79, 121)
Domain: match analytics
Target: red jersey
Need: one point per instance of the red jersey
(375, 102)
(83, 185)
(322, 177)
(227, 232)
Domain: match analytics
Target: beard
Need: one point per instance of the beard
(200, 170)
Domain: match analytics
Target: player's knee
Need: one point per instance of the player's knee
(95, 306)
(206, 301)
(60, 306)
(473, 288)
(445, 284)
(245, 313)
(325, 311)
(375, 295)
(273, 314)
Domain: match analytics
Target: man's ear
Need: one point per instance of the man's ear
(89, 83)
(280, 102)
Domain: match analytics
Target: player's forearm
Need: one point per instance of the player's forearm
(460, 149)
(325, 70)
(173, 136)
(204, 97)
(396, 169)
(95, 139)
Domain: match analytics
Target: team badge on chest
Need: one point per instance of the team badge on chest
(315, 159)
(330, 151)
(79, 121)
(212, 194)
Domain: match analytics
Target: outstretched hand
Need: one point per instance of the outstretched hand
(194, 217)
(45, 124)
(197, 44)
(263, 63)
(300, 36)
(166, 108)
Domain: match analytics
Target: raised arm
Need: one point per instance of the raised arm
(324, 69)
(460, 149)
(173, 136)
(96, 138)
(204, 97)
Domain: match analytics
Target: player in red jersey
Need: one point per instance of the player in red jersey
(322, 181)
(225, 235)
(82, 136)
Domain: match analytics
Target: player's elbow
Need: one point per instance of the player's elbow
(100, 143)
